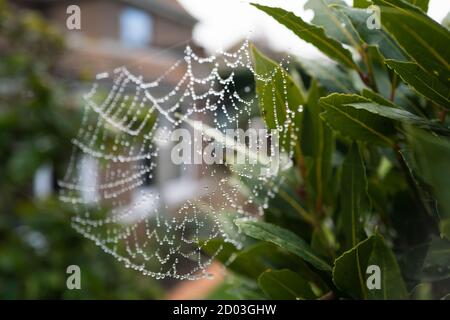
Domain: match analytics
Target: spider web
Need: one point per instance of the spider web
(119, 146)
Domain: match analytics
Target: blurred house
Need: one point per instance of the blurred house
(147, 36)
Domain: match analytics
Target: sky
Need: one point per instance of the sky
(222, 23)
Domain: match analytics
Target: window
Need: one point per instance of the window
(136, 28)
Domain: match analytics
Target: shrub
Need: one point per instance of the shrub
(369, 195)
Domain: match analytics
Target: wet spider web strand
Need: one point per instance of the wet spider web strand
(115, 151)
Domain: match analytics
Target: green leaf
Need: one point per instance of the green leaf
(421, 81)
(312, 34)
(318, 145)
(242, 288)
(256, 258)
(283, 238)
(361, 3)
(431, 156)
(335, 23)
(420, 36)
(354, 196)
(356, 124)
(422, 4)
(329, 75)
(219, 249)
(285, 285)
(382, 78)
(271, 92)
(395, 114)
(349, 272)
(378, 38)
(392, 284)
(375, 97)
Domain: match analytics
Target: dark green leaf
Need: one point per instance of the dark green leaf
(285, 285)
(375, 97)
(392, 284)
(431, 156)
(395, 114)
(353, 196)
(318, 145)
(423, 82)
(349, 273)
(374, 37)
(420, 36)
(356, 124)
(283, 238)
(255, 259)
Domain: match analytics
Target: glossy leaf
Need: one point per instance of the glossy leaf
(283, 238)
(422, 4)
(349, 273)
(392, 284)
(375, 37)
(423, 82)
(356, 124)
(312, 34)
(420, 36)
(335, 23)
(285, 285)
(375, 97)
(396, 114)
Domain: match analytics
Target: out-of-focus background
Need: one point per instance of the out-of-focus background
(44, 71)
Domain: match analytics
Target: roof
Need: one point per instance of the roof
(170, 9)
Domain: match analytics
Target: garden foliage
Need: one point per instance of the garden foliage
(371, 183)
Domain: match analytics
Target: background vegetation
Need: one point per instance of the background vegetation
(38, 118)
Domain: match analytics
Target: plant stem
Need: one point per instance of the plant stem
(369, 79)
